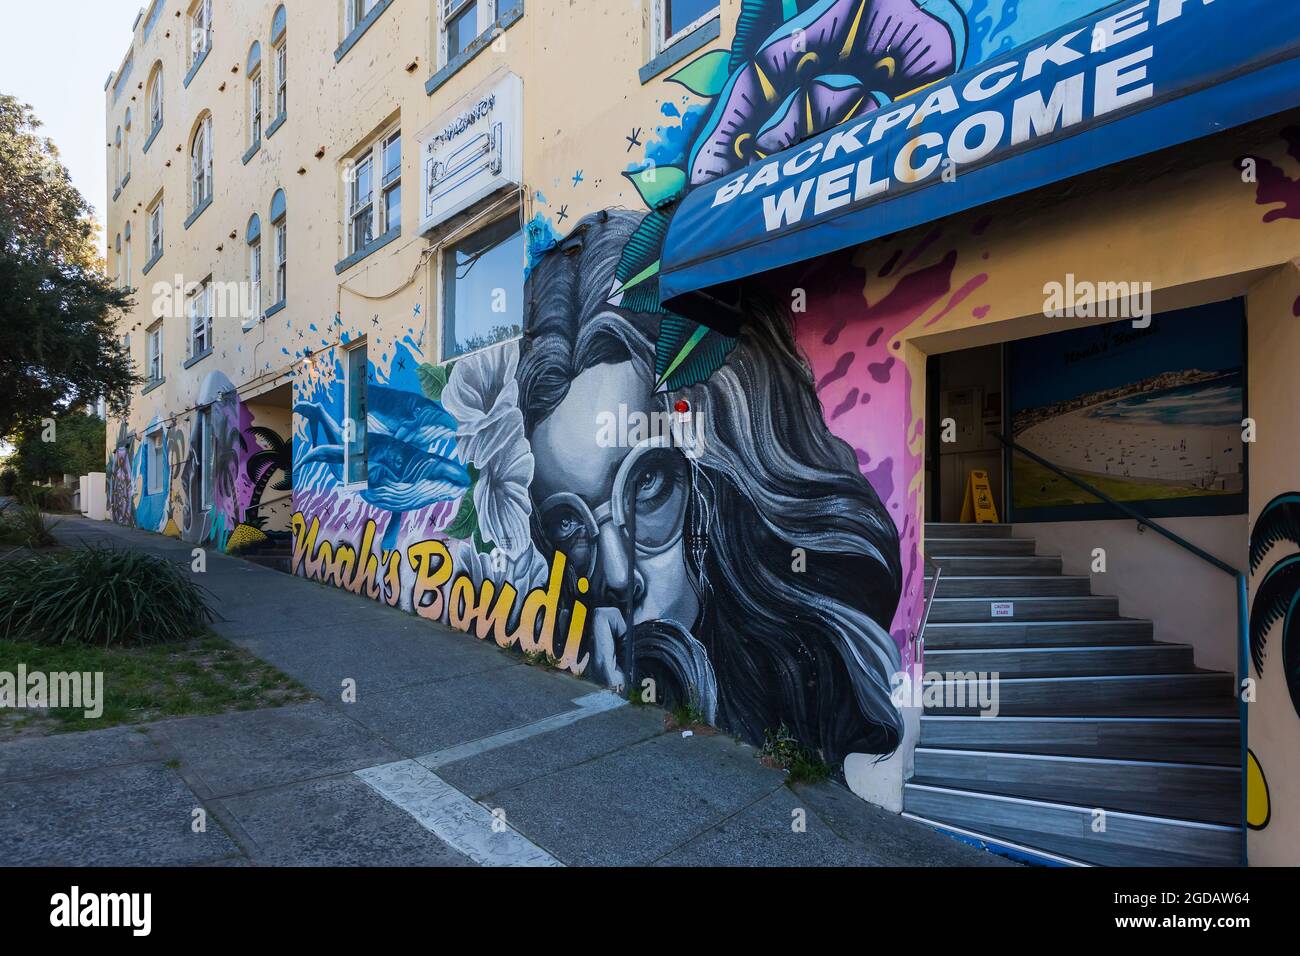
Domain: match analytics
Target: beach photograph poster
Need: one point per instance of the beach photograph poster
(1150, 416)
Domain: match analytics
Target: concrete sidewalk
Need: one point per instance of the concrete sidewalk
(454, 753)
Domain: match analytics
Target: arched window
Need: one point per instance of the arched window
(117, 160)
(254, 72)
(279, 57)
(280, 224)
(126, 147)
(155, 99)
(254, 237)
(201, 163)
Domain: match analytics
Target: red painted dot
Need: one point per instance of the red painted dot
(683, 406)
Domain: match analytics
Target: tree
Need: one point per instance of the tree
(59, 348)
(74, 445)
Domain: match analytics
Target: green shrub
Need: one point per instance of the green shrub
(783, 751)
(100, 596)
(22, 524)
(8, 481)
(49, 499)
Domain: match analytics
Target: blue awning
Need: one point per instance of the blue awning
(1137, 77)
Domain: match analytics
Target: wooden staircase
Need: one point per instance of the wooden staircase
(1094, 714)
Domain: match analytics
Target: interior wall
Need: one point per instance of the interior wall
(1190, 601)
(970, 393)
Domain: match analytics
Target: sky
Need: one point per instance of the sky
(55, 55)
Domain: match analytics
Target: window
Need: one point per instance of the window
(200, 30)
(154, 485)
(673, 20)
(117, 261)
(483, 288)
(255, 108)
(155, 99)
(126, 279)
(356, 12)
(201, 164)
(354, 425)
(281, 261)
(156, 230)
(462, 23)
(366, 219)
(155, 352)
(203, 456)
(255, 276)
(281, 79)
(117, 160)
(126, 150)
(199, 311)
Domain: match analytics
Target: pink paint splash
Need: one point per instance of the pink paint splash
(1274, 186)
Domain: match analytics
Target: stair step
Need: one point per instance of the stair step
(1086, 608)
(1128, 839)
(1189, 739)
(1194, 695)
(970, 547)
(1064, 661)
(954, 530)
(1187, 791)
(1019, 633)
(953, 585)
(996, 565)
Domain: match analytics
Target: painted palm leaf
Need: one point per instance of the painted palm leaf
(687, 353)
(1275, 600)
(1279, 521)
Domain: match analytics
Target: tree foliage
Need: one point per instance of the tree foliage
(59, 348)
(73, 445)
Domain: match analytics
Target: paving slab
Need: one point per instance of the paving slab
(69, 753)
(335, 821)
(379, 659)
(136, 815)
(517, 763)
(234, 753)
(892, 840)
(432, 716)
(635, 805)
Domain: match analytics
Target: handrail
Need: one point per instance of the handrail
(918, 638)
(1243, 608)
(1120, 506)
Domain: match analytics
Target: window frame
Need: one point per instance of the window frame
(255, 277)
(359, 429)
(280, 76)
(659, 40)
(355, 11)
(376, 200)
(199, 13)
(201, 169)
(280, 232)
(448, 10)
(156, 229)
(156, 100)
(446, 248)
(255, 94)
(198, 306)
(154, 485)
(154, 352)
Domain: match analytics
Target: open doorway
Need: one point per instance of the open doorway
(966, 401)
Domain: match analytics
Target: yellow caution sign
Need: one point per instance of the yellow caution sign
(978, 505)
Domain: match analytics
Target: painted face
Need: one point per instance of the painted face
(617, 512)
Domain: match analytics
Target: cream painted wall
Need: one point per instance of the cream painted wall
(578, 62)
(1190, 601)
(1275, 468)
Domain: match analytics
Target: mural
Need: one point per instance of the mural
(1151, 416)
(241, 459)
(628, 493)
(1277, 597)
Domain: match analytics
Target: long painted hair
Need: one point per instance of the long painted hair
(795, 558)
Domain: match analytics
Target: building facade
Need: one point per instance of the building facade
(399, 320)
